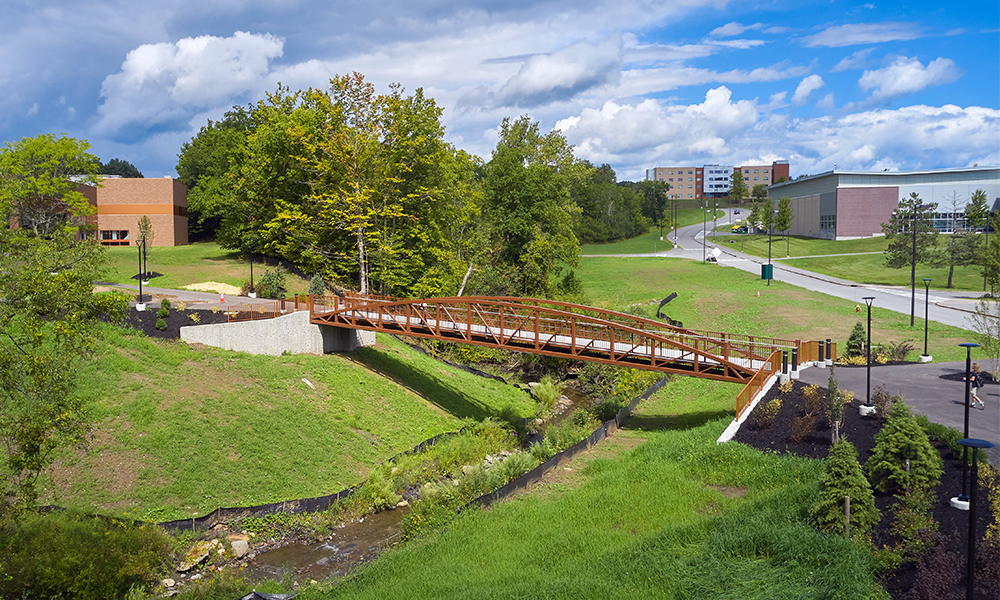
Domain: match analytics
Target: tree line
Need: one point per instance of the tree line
(361, 188)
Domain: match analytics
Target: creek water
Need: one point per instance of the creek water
(346, 547)
(354, 543)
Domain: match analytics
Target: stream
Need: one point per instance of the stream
(351, 544)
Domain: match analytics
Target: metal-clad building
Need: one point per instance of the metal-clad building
(845, 205)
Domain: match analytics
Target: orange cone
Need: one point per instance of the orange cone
(222, 297)
(758, 293)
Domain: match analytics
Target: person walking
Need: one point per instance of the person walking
(977, 384)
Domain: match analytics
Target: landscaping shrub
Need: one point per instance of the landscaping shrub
(786, 387)
(165, 303)
(844, 477)
(813, 397)
(69, 555)
(271, 283)
(763, 416)
(883, 402)
(902, 438)
(546, 393)
(317, 286)
(897, 352)
(161, 324)
(195, 318)
(946, 435)
(856, 341)
(834, 407)
(912, 521)
(607, 409)
(163, 313)
(802, 426)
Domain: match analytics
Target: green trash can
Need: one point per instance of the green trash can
(767, 271)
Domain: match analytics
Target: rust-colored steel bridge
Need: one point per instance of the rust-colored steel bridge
(559, 329)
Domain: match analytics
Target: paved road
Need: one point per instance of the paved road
(927, 392)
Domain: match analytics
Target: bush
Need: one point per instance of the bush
(165, 304)
(883, 402)
(803, 426)
(161, 324)
(69, 555)
(813, 398)
(786, 387)
(271, 283)
(763, 416)
(195, 318)
(844, 477)
(163, 313)
(912, 521)
(902, 438)
(317, 286)
(181, 306)
(856, 342)
(546, 393)
(607, 409)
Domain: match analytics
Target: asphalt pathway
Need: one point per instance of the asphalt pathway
(928, 390)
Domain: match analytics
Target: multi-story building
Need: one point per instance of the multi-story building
(121, 202)
(842, 205)
(714, 181)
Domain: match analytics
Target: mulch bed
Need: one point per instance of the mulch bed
(145, 321)
(861, 432)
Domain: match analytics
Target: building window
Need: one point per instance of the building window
(114, 237)
(747, 171)
(828, 222)
(765, 170)
(755, 179)
(755, 171)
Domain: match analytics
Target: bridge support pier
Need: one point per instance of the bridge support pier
(342, 339)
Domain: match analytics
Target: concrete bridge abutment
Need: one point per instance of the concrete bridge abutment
(291, 333)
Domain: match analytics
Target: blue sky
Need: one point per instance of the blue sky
(632, 83)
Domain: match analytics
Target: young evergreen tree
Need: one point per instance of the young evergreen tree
(834, 407)
(737, 187)
(844, 478)
(856, 342)
(902, 438)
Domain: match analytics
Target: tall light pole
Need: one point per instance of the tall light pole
(868, 398)
(927, 294)
(703, 240)
(962, 501)
(987, 245)
(715, 214)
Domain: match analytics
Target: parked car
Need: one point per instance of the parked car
(736, 212)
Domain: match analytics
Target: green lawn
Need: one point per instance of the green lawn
(676, 517)
(650, 241)
(723, 299)
(194, 263)
(179, 430)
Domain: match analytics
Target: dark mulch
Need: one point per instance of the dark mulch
(145, 321)
(861, 432)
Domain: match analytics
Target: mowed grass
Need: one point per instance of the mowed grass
(675, 517)
(650, 241)
(179, 431)
(715, 298)
(195, 263)
(856, 263)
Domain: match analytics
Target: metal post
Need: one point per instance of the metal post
(868, 398)
(913, 267)
(703, 259)
(771, 269)
(964, 497)
(141, 244)
(927, 295)
(970, 569)
(829, 349)
(822, 353)
(795, 359)
(784, 362)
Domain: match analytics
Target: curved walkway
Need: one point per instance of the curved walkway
(925, 389)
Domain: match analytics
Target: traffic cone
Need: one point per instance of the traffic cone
(222, 297)
(758, 293)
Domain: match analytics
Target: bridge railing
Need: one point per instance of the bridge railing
(745, 397)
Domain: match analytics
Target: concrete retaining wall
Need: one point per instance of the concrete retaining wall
(292, 333)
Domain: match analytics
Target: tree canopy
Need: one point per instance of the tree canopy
(911, 215)
(119, 167)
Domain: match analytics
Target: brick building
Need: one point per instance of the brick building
(121, 202)
(842, 205)
(714, 181)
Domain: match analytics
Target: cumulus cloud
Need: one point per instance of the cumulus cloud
(563, 74)
(908, 75)
(806, 87)
(734, 28)
(638, 82)
(827, 103)
(33, 110)
(168, 83)
(863, 33)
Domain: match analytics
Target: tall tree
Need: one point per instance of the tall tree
(42, 178)
(759, 192)
(899, 233)
(962, 243)
(783, 220)
(655, 201)
(122, 168)
(737, 187)
(991, 257)
(528, 205)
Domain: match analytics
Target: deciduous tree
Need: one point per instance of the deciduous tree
(122, 168)
(899, 233)
(737, 187)
(655, 201)
(783, 220)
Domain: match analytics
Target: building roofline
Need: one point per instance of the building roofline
(887, 173)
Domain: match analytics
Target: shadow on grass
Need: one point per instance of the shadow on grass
(674, 422)
(449, 399)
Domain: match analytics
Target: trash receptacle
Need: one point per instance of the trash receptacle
(767, 271)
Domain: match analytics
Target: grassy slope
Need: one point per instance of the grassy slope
(650, 241)
(724, 299)
(180, 431)
(194, 263)
(677, 516)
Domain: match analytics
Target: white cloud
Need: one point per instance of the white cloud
(827, 103)
(33, 110)
(167, 83)
(863, 33)
(638, 82)
(908, 75)
(563, 74)
(854, 61)
(734, 28)
(806, 87)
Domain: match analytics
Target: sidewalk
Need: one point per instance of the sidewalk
(193, 300)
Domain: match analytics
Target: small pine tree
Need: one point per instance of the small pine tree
(161, 324)
(316, 285)
(856, 342)
(834, 407)
(844, 477)
(902, 438)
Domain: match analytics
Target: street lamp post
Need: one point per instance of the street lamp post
(703, 244)
(142, 243)
(913, 266)
(868, 300)
(927, 293)
(715, 214)
(962, 501)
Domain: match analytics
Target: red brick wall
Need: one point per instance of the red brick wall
(122, 202)
(779, 170)
(861, 211)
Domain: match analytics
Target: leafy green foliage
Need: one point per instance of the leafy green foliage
(899, 233)
(902, 438)
(737, 188)
(316, 285)
(912, 521)
(610, 211)
(122, 168)
(160, 323)
(843, 478)
(763, 416)
(69, 555)
(883, 402)
(163, 313)
(271, 283)
(40, 179)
